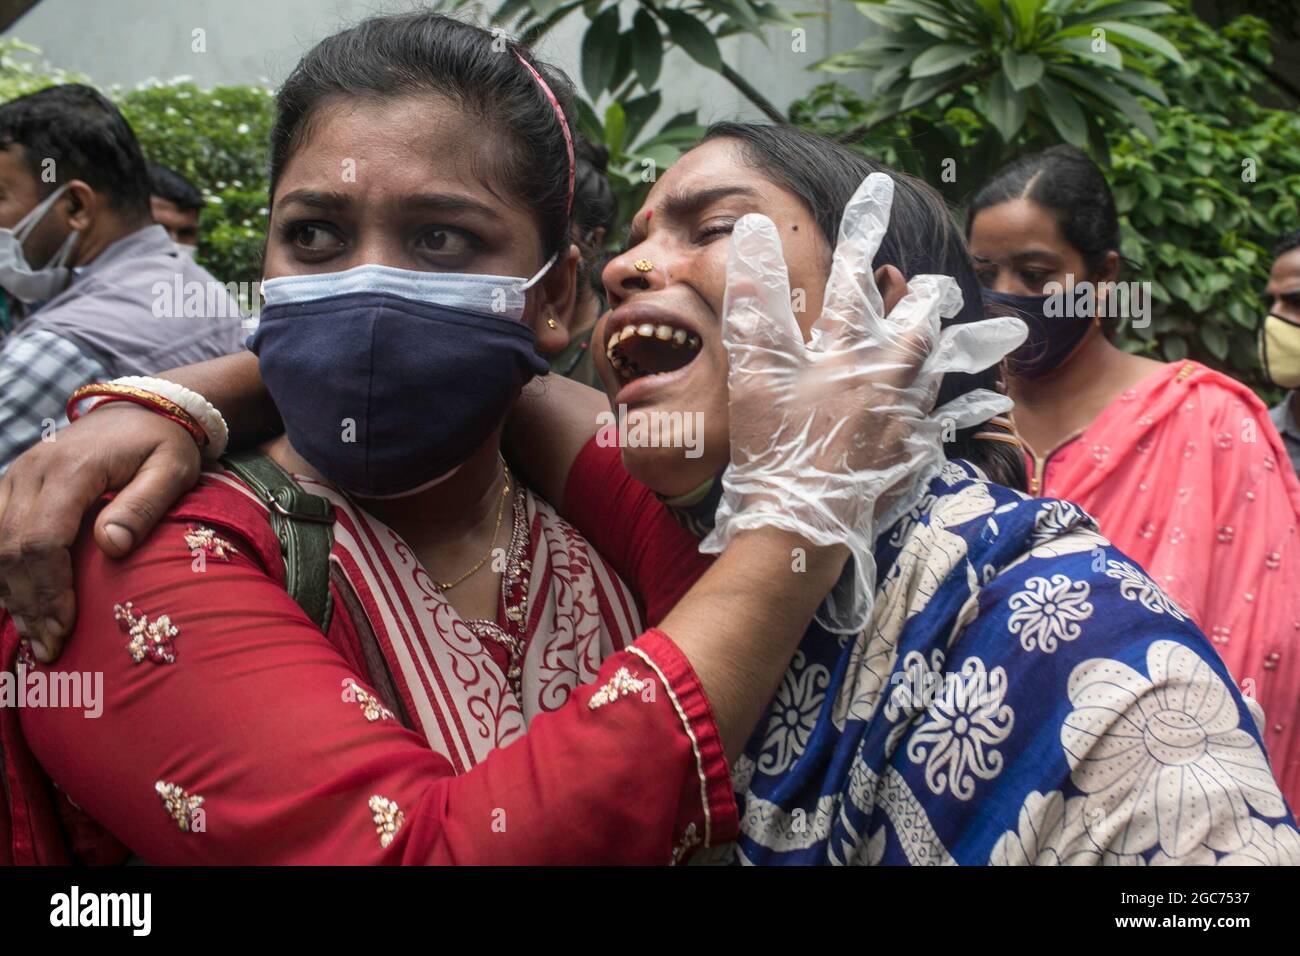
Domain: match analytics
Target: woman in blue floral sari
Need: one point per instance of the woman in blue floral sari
(1023, 692)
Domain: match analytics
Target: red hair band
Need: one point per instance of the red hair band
(564, 123)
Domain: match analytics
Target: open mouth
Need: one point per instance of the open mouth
(651, 348)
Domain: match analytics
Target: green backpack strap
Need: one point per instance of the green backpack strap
(303, 524)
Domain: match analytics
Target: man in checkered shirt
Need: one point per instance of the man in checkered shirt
(116, 311)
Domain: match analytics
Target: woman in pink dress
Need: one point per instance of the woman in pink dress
(1179, 463)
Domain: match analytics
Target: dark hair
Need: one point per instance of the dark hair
(87, 138)
(1064, 181)
(594, 207)
(166, 183)
(421, 52)
(1286, 243)
(922, 239)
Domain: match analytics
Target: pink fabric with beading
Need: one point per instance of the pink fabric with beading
(1186, 473)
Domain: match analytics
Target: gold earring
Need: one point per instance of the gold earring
(552, 324)
(643, 265)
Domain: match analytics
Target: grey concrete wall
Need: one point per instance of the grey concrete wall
(126, 42)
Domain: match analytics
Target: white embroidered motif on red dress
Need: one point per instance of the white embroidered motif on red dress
(181, 805)
(690, 839)
(370, 705)
(388, 819)
(623, 682)
(150, 640)
(201, 538)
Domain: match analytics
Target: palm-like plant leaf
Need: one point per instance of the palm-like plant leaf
(1052, 64)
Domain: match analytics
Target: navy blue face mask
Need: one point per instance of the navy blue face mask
(1052, 339)
(388, 380)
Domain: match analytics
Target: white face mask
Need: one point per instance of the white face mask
(184, 250)
(17, 277)
(503, 296)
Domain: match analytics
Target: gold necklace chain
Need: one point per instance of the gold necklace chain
(501, 510)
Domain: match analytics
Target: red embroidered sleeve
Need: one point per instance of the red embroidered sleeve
(632, 530)
(233, 732)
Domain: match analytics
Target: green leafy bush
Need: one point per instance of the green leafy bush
(1202, 205)
(217, 139)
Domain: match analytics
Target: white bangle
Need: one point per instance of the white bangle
(195, 405)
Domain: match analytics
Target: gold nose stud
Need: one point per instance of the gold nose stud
(643, 265)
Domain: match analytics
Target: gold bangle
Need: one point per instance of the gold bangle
(136, 396)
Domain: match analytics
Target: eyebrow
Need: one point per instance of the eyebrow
(683, 204)
(1019, 256)
(446, 202)
(320, 199)
(437, 202)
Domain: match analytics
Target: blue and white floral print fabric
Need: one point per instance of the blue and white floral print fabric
(1025, 695)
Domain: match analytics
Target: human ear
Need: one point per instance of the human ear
(1108, 271)
(558, 302)
(81, 205)
(892, 286)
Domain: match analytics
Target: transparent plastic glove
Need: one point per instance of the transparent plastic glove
(834, 438)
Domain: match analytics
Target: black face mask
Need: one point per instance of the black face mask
(1052, 340)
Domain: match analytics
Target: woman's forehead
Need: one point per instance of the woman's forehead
(714, 168)
(1016, 224)
(394, 145)
(701, 163)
